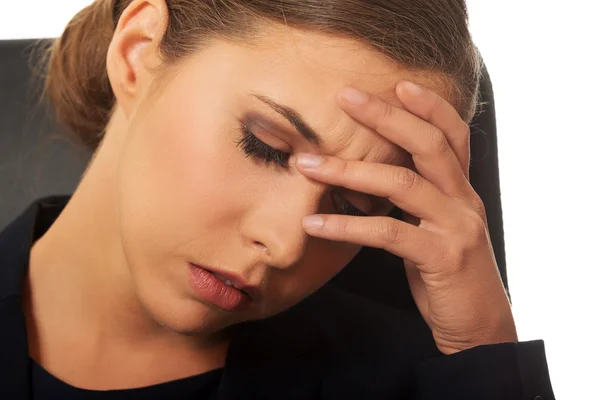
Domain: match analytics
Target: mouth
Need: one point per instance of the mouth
(227, 281)
(225, 290)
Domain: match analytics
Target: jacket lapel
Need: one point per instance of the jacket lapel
(15, 243)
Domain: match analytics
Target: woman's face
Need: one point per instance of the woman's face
(206, 176)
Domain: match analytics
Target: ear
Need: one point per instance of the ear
(134, 50)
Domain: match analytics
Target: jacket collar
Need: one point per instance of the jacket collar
(283, 354)
(15, 243)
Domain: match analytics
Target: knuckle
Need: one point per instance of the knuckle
(406, 179)
(461, 250)
(478, 206)
(474, 229)
(456, 258)
(437, 141)
(388, 230)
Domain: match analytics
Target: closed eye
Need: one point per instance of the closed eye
(257, 149)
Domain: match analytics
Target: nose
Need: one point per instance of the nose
(273, 224)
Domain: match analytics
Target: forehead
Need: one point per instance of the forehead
(305, 70)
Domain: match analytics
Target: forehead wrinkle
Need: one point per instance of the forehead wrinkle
(364, 144)
(382, 150)
(386, 152)
(348, 138)
(389, 94)
(391, 155)
(338, 137)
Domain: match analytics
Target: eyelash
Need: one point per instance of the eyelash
(257, 149)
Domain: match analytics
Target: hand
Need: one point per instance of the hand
(444, 239)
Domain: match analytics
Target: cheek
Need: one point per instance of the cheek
(177, 191)
(178, 171)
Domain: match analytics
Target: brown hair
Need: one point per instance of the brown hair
(431, 37)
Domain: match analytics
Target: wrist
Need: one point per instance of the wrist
(499, 333)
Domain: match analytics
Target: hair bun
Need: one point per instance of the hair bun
(77, 82)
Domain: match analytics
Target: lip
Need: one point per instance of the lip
(211, 289)
(251, 291)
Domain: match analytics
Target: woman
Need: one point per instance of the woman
(244, 152)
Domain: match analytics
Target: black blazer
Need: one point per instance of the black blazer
(334, 345)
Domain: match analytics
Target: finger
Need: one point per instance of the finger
(397, 237)
(431, 107)
(433, 157)
(403, 187)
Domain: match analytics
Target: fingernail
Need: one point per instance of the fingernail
(412, 88)
(354, 96)
(308, 160)
(312, 222)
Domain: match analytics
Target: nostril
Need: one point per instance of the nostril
(261, 247)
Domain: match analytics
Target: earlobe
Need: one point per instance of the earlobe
(134, 50)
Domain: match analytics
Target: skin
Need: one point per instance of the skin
(108, 290)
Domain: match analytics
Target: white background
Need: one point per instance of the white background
(544, 59)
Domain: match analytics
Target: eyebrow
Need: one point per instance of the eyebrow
(293, 118)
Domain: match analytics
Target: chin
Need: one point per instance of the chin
(190, 318)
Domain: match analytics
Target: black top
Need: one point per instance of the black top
(333, 345)
(46, 386)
